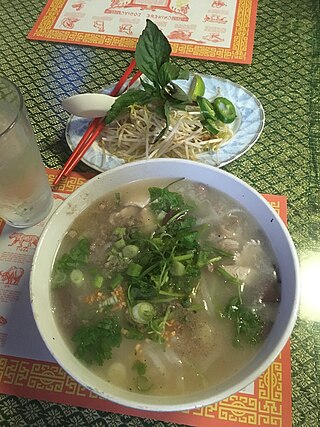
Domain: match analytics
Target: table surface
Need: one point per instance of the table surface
(284, 75)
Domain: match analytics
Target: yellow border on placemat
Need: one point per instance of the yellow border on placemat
(270, 405)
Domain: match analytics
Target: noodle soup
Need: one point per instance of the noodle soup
(165, 288)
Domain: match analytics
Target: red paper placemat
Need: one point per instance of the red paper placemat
(209, 29)
(28, 370)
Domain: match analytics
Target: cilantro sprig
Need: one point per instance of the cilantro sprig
(248, 325)
(94, 342)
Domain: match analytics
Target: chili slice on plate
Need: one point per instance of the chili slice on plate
(224, 109)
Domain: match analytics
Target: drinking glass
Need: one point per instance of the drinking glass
(25, 194)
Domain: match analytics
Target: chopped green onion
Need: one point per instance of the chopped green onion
(184, 257)
(116, 281)
(177, 268)
(98, 281)
(76, 277)
(58, 280)
(111, 300)
(130, 251)
(119, 244)
(134, 270)
(143, 312)
(120, 231)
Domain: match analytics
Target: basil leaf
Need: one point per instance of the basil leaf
(176, 92)
(166, 112)
(132, 96)
(183, 74)
(151, 90)
(159, 110)
(168, 72)
(178, 105)
(152, 50)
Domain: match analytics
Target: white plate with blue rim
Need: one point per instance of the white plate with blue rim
(246, 128)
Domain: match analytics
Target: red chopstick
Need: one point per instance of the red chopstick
(124, 78)
(94, 128)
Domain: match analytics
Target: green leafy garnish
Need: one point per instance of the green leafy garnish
(72, 260)
(139, 367)
(130, 97)
(76, 257)
(152, 56)
(94, 343)
(163, 200)
(166, 266)
(134, 334)
(152, 51)
(247, 323)
(142, 381)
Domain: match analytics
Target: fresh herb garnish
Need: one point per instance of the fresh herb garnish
(163, 268)
(142, 381)
(164, 200)
(140, 367)
(152, 52)
(70, 261)
(152, 56)
(247, 323)
(76, 257)
(94, 343)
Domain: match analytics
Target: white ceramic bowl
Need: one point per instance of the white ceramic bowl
(165, 168)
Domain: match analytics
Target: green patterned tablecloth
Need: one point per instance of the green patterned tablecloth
(284, 75)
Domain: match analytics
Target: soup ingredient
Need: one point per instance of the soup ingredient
(142, 381)
(77, 257)
(247, 323)
(94, 343)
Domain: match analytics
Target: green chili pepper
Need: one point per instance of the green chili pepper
(224, 109)
(206, 108)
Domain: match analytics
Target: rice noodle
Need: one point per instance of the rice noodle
(134, 136)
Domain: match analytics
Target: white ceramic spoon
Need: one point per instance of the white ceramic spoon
(88, 105)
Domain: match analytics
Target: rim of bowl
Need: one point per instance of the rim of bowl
(186, 401)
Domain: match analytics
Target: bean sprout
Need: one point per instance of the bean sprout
(134, 136)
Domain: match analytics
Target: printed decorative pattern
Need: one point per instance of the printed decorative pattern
(227, 28)
(70, 184)
(266, 407)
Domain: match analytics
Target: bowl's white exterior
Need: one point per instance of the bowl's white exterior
(166, 168)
